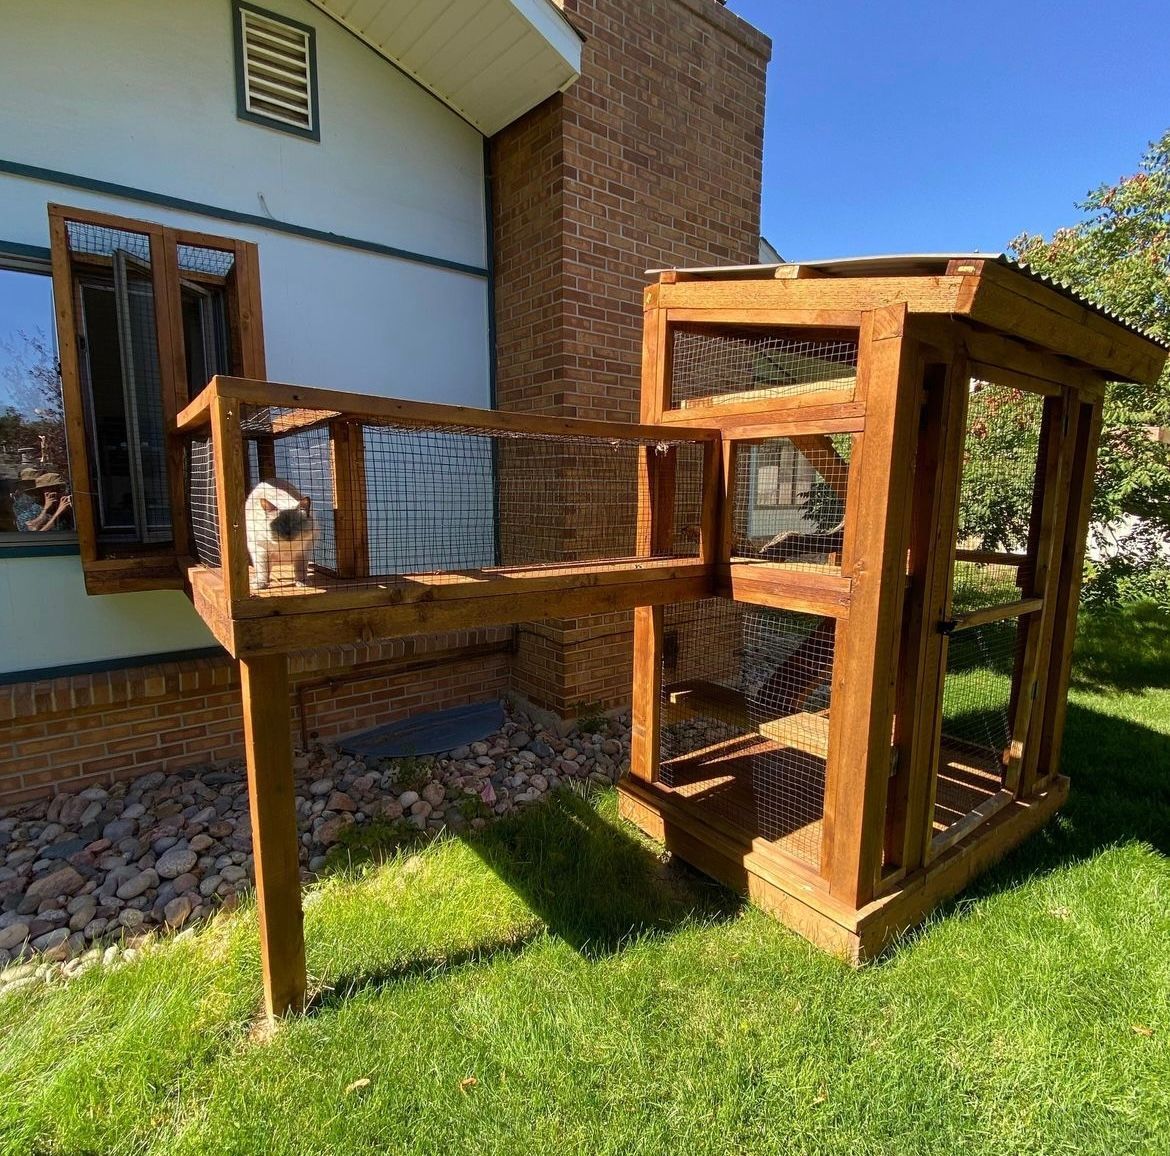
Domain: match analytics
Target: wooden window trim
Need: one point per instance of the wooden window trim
(146, 567)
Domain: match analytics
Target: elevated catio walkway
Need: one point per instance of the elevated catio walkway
(853, 615)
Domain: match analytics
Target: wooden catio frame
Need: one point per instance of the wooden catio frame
(908, 733)
(850, 666)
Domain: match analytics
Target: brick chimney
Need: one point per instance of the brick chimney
(653, 158)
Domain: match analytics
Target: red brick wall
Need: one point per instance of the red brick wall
(70, 733)
(653, 158)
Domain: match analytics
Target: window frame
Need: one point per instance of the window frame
(243, 112)
(136, 566)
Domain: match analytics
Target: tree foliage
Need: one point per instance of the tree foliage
(1119, 256)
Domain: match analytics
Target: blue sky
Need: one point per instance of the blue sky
(934, 126)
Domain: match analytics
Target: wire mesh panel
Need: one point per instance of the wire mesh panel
(1000, 459)
(789, 500)
(746, 718)
(721, 367)
(978, 711)
(425, 500)
(201, 501)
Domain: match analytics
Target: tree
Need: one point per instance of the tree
(33, 378)
(1119, 257)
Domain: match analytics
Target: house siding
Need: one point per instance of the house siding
(143, 96)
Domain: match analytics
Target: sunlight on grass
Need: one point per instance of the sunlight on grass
(552, 987)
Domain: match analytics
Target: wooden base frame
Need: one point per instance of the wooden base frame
(799, 900)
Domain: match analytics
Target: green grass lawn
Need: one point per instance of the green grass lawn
(552, 987)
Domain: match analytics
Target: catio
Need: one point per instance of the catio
(846, 703)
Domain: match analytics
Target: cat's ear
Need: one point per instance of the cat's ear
(305, 502)
(267, 506)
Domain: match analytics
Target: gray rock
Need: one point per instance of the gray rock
(200, 843)
(208, 886)
(188, 881)
(50, 939)
(175, 862)
(81, 918)
(321, 787)
(131, 919)
(96, 927)
(63, 881)
(176, 912)
(139, 884)
(63, 849)
(541, 749)
(118, 829)
(519, 740)
(13, 935)
(233, 873)
(408, 799)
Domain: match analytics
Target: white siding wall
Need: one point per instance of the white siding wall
(144, 95)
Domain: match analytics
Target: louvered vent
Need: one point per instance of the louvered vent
(277, 67)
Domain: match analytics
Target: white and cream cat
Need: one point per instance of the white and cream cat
(280, 530)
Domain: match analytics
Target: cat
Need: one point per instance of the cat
(280, 529)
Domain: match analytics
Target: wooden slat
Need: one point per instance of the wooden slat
(989, 614)
(755, 405)
(811, 414)
(922, 667)
(275, 847)
(646, 706)
(1062, 416)
(168, 303)
(711, 511)
(991, 558)
(828, 320)
(230, 492)
(919, 294)
(350, 531)
(861, 719)
(76, 435)
(421, 414)
(824, 592)
(1067, 600)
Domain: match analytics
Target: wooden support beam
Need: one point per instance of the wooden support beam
(370, 409)
(1067, 599)
(351, 533)
(230, 493)
(275, 847)
(862, 711)
(910, 808)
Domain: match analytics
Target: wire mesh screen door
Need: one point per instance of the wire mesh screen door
(1009, 509)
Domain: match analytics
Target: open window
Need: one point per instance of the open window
(146, 316)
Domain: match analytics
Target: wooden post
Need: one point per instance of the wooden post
(921, 671)
(1048, 742)
(1050, 506)
(275, 848)
(230, 495)
(348, 456)
(865, 662)
(655, 525)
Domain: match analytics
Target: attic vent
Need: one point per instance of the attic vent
(276, 71)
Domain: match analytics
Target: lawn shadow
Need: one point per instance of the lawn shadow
(346, 986)
(594, 884)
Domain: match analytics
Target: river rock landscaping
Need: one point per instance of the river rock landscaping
(86, 877)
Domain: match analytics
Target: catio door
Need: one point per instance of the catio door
(997, 615)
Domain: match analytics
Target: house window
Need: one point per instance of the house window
(147, 315)
(35, 494)
(276, 71)
(782, 476)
